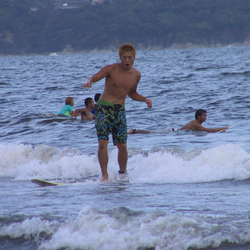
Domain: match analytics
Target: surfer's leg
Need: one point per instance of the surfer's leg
(122, 156)
(103, 128)
(119, 134)
(103, 158)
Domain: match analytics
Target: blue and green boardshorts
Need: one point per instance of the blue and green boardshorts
(111, 118)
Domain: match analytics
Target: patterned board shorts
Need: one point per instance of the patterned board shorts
(111, 118)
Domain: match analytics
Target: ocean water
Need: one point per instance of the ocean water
(184, 189)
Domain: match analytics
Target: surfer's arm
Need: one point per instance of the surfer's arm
(133, 94)
(211, 130)
(104, 72)
(79, 112)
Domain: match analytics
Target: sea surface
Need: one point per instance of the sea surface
(184, 189)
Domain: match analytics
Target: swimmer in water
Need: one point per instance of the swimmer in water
(67, 109)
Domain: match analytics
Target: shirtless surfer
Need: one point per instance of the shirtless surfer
(121, 79)
(86, 112)
(200, 117)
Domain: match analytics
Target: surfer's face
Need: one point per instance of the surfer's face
(92, 104)
(203, 117)
(127, 59)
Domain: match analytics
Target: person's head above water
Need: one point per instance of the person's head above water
(88, 100)
(199, 112)
(69, 101)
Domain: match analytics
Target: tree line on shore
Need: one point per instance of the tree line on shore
(34, 26)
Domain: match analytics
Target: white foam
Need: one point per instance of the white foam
(24, 162)
(219, 163)
(119, 229)
(227, 161)
(95, 230)
(29, 228)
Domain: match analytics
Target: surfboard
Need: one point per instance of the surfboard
(45, 183)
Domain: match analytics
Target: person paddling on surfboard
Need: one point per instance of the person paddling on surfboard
(121, 80)
(200, 117)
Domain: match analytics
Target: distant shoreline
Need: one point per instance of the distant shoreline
(69, 51)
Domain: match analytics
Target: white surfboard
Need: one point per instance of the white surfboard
(45, 183)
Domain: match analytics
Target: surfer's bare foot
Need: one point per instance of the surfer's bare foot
(105, 178)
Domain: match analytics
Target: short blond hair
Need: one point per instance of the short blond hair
(68, 100)
(127, 47)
